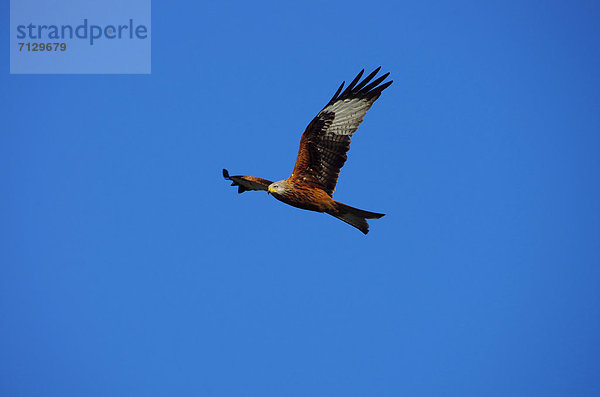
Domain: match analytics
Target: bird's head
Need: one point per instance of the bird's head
(277, 187)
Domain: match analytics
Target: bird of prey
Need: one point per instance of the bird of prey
(322, 154)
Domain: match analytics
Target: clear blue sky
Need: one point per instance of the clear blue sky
(129, 267)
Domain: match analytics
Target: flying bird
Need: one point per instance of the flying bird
(322, 154)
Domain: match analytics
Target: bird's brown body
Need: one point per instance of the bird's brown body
(322, 154)
(306, 197)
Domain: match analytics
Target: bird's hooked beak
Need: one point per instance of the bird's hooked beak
(269, 190)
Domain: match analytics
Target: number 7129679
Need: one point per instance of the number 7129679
(42, 46)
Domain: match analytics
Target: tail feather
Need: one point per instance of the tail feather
(354, 216)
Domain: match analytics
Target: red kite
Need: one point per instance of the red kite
(322, 154)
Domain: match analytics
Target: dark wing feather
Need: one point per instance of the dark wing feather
(247, 182)
(326, 140)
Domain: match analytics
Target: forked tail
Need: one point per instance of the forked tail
(354, 216)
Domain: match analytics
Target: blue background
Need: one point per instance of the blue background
(130, 267)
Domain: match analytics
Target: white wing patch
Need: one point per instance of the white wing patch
(349, 114)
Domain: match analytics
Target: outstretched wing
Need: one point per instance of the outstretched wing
(246, 182)
(326, 140)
